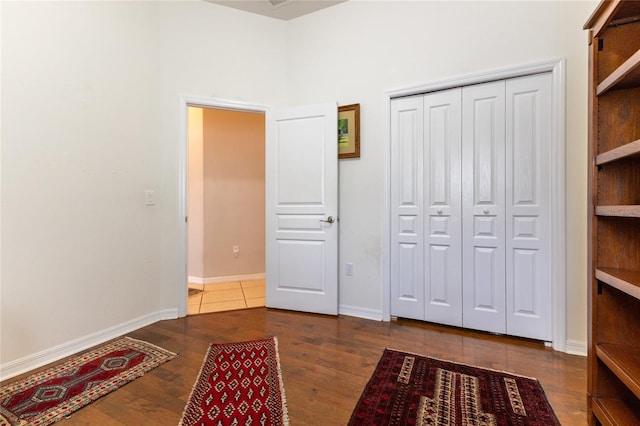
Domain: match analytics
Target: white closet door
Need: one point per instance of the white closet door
(483, 206)
(528, 260)
(407, 209)
(443, 252)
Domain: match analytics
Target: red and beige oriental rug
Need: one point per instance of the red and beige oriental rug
(409, 389)
(51, 395)
(238, 384)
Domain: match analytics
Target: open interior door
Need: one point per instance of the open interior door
(302, 208)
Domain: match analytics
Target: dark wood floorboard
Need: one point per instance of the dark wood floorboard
(326, 362)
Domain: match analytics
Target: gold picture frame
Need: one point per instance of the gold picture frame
(349, 131)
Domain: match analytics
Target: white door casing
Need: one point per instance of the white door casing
(528, 262)
(483, 206)
(301, 208)
(442, 184)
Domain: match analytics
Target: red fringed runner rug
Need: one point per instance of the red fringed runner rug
(239, 384)
(408, 389)
(48, 396)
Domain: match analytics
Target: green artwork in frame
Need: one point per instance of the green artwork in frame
(349, 131)
(343, 132)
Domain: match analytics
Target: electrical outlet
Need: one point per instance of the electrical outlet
(349, 269)
(236, 251)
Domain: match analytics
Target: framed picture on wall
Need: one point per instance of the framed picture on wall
(349, 131)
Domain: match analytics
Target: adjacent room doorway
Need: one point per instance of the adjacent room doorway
(225, 209)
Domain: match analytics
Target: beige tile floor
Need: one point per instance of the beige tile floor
(205, 298)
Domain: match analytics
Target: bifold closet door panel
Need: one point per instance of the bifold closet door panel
(483, 206)
(443, 229)
(407, 208)
(528, 262)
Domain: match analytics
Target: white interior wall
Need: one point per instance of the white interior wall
(355, 51)
(81, 249)
(89, 122)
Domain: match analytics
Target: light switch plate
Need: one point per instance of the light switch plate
(149, 197)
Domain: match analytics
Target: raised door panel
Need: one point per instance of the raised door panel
(528, 260)
(483, 206)
(407, 241)
(443, 255)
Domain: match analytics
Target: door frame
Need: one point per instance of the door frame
(186, 101)
(557, 69)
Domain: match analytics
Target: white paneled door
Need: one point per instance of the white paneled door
(443, 255)
(470, 200)
(483, 194)
(407, 235)
(528, 230)
(302, 208)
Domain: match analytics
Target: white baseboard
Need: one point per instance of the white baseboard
(227, 279)
(576, 347)
(33, 361)
(573, 347)
(354, 311)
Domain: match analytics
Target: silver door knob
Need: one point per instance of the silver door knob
(485, 211)
(439, 211)
(330, 219)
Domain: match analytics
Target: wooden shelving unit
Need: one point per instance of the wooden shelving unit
(614, 225)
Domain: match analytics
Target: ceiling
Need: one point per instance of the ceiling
(279, 9)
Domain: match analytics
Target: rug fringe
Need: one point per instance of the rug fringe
(465, 364)
(150, 344)
(285, 413)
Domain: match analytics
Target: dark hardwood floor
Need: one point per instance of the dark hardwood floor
(326, 362)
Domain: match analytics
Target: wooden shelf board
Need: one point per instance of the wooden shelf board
(614, 12)
(626, 75)
(631, 149)
(628, 11)
(624, 362)
(618, 211)
(601, 17)
(624, 280)
(614, 412)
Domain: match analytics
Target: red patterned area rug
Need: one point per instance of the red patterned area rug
(239, 384)
(51, 395)
(409, 389)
